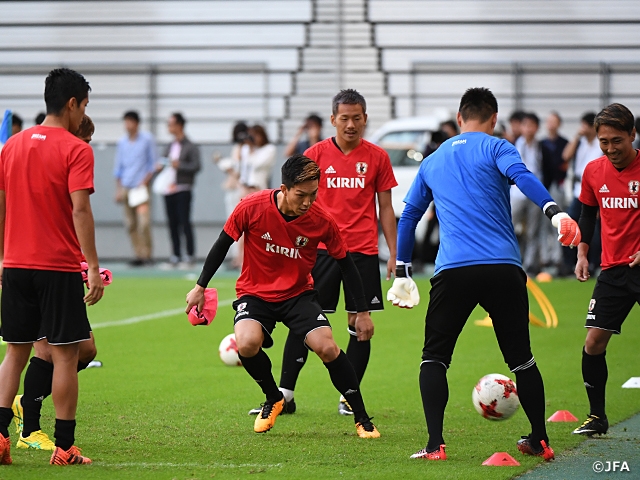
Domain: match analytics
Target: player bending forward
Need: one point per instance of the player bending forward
(282, 229)
(478, 262)
(610, 183)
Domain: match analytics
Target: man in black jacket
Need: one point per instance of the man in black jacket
(185, 159)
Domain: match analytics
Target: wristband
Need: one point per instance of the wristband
(404, 270)
(551, 209)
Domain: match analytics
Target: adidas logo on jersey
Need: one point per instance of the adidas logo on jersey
(286, 251)
(266, 236)
(321, 318)
(604, 189)
(375, 300)
(330, 169)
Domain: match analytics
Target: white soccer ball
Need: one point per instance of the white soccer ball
(495, 397)
(228, 351)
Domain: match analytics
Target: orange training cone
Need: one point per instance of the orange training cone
(562, 416)
(501, 459)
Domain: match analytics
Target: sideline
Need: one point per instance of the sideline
(149, 316)
(186, 465)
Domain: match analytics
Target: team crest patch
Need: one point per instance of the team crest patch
(241, 306)
(301, 241)
(634, 187)
(361, 168)
(592, 304)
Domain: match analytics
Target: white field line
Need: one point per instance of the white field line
(149, 316)
(187, 465)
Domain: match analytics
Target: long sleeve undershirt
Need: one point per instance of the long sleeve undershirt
(587, 222)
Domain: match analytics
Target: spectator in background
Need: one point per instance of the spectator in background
(636, 143)
(231, 167)
(16, 123)
(40, 118)
(554, 171)
(584, 148)
(523, 211)
(257, 161)
(134, 166)
(185, 159)
(450, 129)
(514, 131)
(312, 126)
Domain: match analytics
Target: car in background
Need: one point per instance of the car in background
(406, 140)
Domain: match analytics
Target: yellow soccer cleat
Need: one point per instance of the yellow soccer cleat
(18, 413)
(366, 429)
(266, 419)
(343, 407)
(38, 440)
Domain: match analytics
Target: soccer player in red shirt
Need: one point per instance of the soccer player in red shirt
(46, 177)
(355, 174)
(39, 375)
(282, 230)
(610, 184)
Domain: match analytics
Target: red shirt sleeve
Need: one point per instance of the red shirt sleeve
(235, 224)
(336, 246)
(2, 169)
(587, 193)
(385, 180)
(81, 168)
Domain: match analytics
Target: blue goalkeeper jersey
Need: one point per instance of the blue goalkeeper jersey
(467, 179)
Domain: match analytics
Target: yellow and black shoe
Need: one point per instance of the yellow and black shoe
(592, 425)
(266, 419)
(366, 429)
(343, 407)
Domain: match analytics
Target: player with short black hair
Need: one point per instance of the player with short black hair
(42, 288)
(610, 185)
(282, 229)
(478, 262)
(356, 173)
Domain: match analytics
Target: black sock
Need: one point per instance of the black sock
(82, 366)
(358, 353)
(37, 387)
(346, 382)
(259, 367)
(531, 395)
(293, 359)
(595, 374)
(6, 415)
(435, 395)
(65, 433)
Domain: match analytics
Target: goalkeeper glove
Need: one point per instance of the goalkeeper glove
(568, 231)
(404, 291)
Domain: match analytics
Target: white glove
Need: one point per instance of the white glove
(404, 293)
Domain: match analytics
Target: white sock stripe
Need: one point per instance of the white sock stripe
(434, 361)
(524, 366)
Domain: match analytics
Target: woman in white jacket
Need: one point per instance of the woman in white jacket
(258, 158)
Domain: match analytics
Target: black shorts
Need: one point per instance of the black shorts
(501, 290)
(39, 304)
(327, 278)
(301, 314)
(617, 290)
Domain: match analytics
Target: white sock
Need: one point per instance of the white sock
(288, 394)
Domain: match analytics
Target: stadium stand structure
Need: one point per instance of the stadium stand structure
(276, 61)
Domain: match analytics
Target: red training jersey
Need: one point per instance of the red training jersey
(279, 255)
(39, 169)
(616, 194)
(348, 188)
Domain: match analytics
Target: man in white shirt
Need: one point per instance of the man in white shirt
(522, 210)
(582, 149)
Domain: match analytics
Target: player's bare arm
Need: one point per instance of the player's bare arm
(388, 223)
(3, 205)
(84, 226)
(635, 259)
(582, 265)
(364, 326)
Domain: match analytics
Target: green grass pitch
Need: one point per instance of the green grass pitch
(164, 405)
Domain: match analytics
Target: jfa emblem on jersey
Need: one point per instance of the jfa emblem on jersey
(242, 306)
(301, 241)
(634, 187)
(361, 168)
(592, 304)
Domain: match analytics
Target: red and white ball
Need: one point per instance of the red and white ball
(228, 351)
(495, 397)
